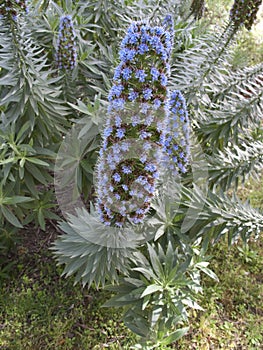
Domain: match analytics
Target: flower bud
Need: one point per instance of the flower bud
(66, 52)
(244, 12)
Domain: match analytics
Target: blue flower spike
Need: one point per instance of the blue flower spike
(66, 51)
(135, 127)
(177, 143)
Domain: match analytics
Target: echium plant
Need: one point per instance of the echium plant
(66, 52)
(135, 130)
(12, 8)
(198, 8)
(177, 143)
(158, 281)
(244, 12)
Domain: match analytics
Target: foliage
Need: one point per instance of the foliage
(49, 113)
(41, 310)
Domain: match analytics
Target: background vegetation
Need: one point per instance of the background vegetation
(40, 310)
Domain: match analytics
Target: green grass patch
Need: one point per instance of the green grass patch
(40, 310)
(233, 314)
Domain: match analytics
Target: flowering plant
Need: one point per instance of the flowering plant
(13, 7)
(66, 52)
(136, 126)
(244, 12)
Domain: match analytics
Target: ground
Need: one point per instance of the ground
(41, 310)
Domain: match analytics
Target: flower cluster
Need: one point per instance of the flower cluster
(135, 130)
(66, 52)
(168, 24)
(197, 8)
(12, 8)
(244, 12)
(177, 146)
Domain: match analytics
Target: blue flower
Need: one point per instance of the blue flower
(125, 187)
(141, 180)
(126, 169)
(133, 38)
(120, 133)
(176, 144)
(126, 73)
(164, 79)
(157, 103)
(127, 54)
(108, 131)
(116, 177)
(135, 120)
(144, 134)
(116, 90)
(125, 146)
(168, 22)
(117, 73)
(147, 93)
(155, 73)
(150, 167)
(118, 121)
(140, 75)
(147, 146)
(133, 95)
(144, 108)
(154, 41)
(143, 48)
(116, 105)
(110, 158)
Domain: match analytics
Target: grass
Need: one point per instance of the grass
(40, 310)
(233, 316)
